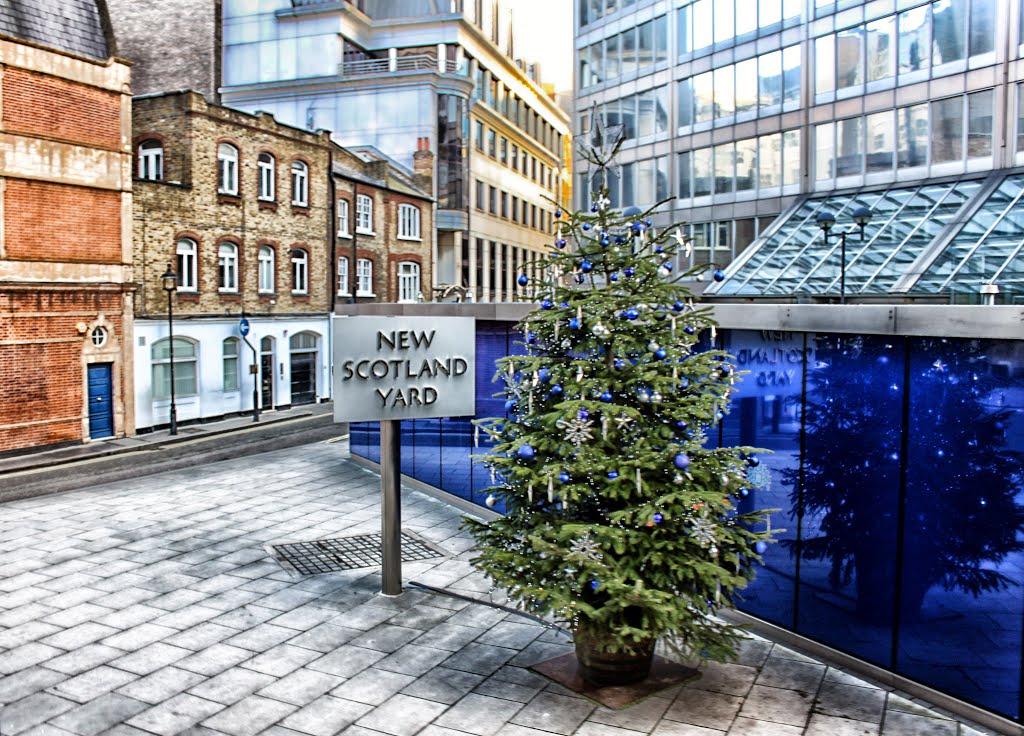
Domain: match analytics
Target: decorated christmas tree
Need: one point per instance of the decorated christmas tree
(621, 521)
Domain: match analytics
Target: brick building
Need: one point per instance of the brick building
(383, 214)
(65, 243)
(238, 205)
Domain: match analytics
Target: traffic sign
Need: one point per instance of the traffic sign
(243, 326)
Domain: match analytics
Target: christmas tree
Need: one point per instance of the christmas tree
(620, 521)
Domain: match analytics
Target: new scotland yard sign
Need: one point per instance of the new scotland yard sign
(404, 368)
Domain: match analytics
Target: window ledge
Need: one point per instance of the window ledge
(368, 294)
(233, 199)
(268, 204)
(346, 236)
(409, 237)
(360, 231)
(300, 209)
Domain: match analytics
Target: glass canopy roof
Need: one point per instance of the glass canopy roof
(924, 240)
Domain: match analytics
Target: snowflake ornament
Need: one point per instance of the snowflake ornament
(622, 421)
(577, 430)
(704, 532)
(585, 547)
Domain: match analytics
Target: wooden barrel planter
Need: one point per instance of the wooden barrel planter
(604, 666)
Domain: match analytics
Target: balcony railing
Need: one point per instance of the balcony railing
(400, 65)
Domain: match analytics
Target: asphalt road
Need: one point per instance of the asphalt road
(201, 450)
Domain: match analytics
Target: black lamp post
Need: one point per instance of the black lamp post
(170, 284)
(826, 221)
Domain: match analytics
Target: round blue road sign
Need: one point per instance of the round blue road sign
(243, 326)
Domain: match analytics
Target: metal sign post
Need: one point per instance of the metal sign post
(388, 369)
(243, 330)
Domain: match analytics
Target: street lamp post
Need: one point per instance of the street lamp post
(826, 221)
(170, 284)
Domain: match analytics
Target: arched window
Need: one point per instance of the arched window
(303, 342)
(227, 169)
(408, 281)
(408, 222)
(300, 184)
(304, 363)
(230, 364)
(300, 271)
(266, 270)
(185, 374)
(227, 267)
(188, 264)
(151, 160)
(265, 167)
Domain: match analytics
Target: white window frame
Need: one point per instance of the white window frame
(187, 262)
(343, 224)
(227, 169)
(300, 184)
(300, 271)
(230, 362)
(408, 222)
(343, 276)
(227, 267)
(408, 281)
(364, 214)
(266, 165)
(179, 360)
(364, 277)
(265, 267)
(151, 160)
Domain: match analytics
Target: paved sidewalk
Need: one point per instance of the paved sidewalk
(150, 606)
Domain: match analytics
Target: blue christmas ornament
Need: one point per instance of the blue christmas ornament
(556, 390)
(544, 374)
(682, 461)
(689, 329)
(574, 324)
(619, 364)
(605, 242)
(606, 397)
(613, 277)
(613, 474)
(564, 477)
(725, 369)
(586, 225)
(523, 280)
(631, 313)
(586, 266)
(560, 243)
(658, 518)
(636, 227)
(510, 405)
(619, 240)
(743, 492)
(583, 414)
(684, 382)
(530, 338)
(629, 271)
(678, 307)
(659, 249)
(648, 223)
(593, 208)
(580, 278)
(564, 305)
(760, 547)
(660, 354)
(546, 304)
(558, 213)
(667, 265)
(719, 415)
(594, 584)
(753, 461)
(718, 275)
(525, 452)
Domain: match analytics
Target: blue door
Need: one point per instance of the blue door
(101, 400)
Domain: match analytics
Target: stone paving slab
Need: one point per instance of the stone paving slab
(151, 608)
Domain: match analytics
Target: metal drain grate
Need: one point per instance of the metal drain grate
(346, 553)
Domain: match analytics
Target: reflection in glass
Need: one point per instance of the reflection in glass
(684, 30)
(628, 53)
(746, 87)
(791, 75)
(824, 64)
(1020, 116)
(979, 124)
(881, 47)
(791, 157)
(914, 41)
(701, 172)
(880, 141)
(724, 20)
(645, 44)
(703, 98)
(949, 25)
(746, 17)
(913, 136)
(724, 169)
(645, 113)
(947, 129)
(683, 169)
(769, 13)
(612, 58)
(702, 23)
(849, 58)
(746, 164)
(769, 157)
(661, 109)
(960, 593)
(661, 181)
(684, 96)
(983, 26)
(850, 144)
(769, 79)
(824, 151)
(628, 185)
(850, 482)
(644, 183)
(725, 93)
(661, 39)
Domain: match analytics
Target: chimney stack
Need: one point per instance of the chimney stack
(423, 165)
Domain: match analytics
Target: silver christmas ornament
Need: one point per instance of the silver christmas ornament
(491, 500)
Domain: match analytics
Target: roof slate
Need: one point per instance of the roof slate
(69, 25)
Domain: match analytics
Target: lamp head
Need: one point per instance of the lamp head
(862, 216)
(825, 220)
(169, 279)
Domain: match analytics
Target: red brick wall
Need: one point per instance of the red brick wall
(49, 107)
(42, 381)
(61, 222)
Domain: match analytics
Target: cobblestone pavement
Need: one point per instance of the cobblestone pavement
(151, 607)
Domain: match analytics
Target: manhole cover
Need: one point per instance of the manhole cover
(346, 553)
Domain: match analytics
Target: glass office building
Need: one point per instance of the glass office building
(739, 111)
(409, 75)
